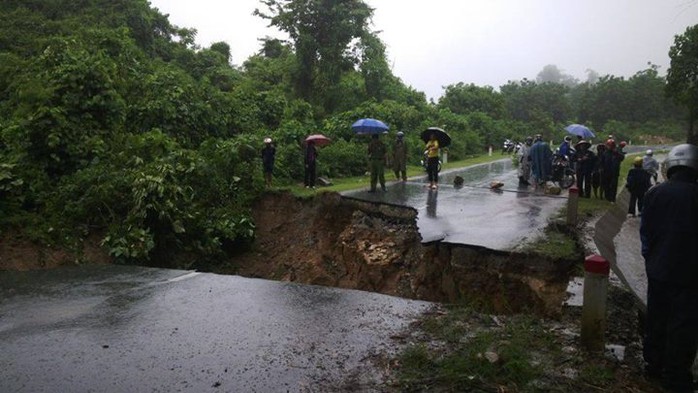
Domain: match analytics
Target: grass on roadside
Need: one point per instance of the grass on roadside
(358, 182)
(510, 354)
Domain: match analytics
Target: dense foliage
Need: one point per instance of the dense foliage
(114, 123)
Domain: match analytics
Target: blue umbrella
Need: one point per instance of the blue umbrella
(580, 131)
(369, 126)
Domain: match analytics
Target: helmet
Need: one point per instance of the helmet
(637, 161)
(611, 144)
(623, 143)
(400, 134)
(649, 152)
(267, 140)
(684, 155)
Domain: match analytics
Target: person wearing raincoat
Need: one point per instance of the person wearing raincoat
(541, 161)
(650, 164)
(524, 157)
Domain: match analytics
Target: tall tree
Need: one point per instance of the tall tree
(322, 32)
(682, 76)
(527, 100)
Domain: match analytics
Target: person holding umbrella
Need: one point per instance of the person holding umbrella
(376, 155)
(310, 161)
(432, 151)
(400, 157)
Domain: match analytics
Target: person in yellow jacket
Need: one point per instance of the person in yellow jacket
(432, 152)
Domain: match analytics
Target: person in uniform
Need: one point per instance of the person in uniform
(376, 156)
(400, 157)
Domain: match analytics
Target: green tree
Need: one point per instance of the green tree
(527, 100)
(463, 99)
(322, 32)
(682, 76)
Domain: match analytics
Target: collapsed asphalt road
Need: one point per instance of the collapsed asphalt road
(474, 214)
(132, 329)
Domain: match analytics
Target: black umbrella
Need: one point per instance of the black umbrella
(441, 136)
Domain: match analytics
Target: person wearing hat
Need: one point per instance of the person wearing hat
(651, 165)
(377, 154)
(586, 160)
(268, 157)
(668, 231)
(637, 182)
(564, 148)
(610, 165)
(400, 157)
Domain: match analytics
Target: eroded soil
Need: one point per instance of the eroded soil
(332, 241)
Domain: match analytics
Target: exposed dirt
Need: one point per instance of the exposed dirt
(332, 241)
(21, 254)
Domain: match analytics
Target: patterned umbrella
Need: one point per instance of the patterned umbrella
(319, 140)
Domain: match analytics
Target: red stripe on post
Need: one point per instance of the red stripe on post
(597, 264)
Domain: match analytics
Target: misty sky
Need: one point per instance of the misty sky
(435, 43)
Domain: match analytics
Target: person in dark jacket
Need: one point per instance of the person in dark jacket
(669, 235)
(310, 164)
(586, 160)
(637, 182)
(610, 165)
(597, 176)
(268, 157)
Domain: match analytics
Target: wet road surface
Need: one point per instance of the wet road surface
(132, 329)
(473, 214)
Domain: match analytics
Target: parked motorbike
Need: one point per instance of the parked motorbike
(508, 147)
(562, 173)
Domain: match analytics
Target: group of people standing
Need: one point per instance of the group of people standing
(378, 158)
(595, 171)
(268, 155)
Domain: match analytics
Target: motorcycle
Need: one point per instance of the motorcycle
(508, 147)
(562, 173)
